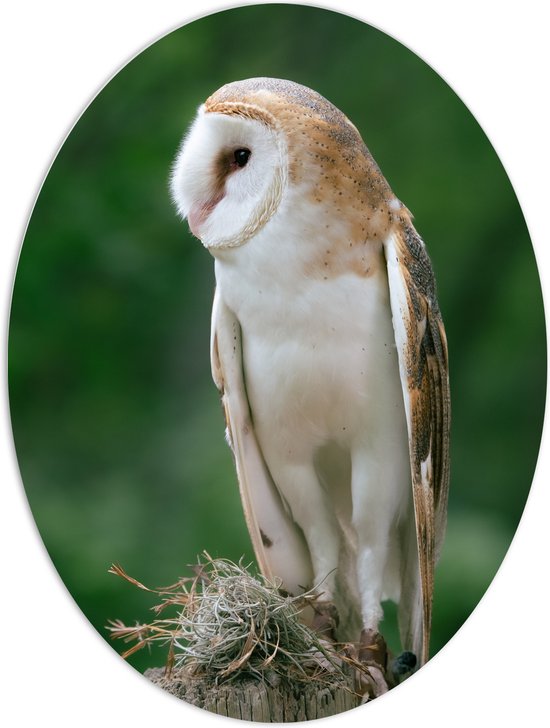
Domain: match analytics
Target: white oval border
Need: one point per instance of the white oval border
(58, 55)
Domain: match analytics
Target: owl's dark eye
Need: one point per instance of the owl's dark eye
(241, 157)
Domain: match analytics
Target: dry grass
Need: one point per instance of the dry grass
(230, 623)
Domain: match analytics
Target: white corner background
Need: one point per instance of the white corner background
(55, 57)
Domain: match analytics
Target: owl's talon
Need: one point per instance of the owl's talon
(325, 620)
(372, 653)
(372, 683)
(372, 649)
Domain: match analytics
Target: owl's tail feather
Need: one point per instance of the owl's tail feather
(410, 613)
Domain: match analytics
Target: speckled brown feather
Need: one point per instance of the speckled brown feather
(425, 364)
(331, 163)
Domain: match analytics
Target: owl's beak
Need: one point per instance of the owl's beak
(195, 218)
(198, 214)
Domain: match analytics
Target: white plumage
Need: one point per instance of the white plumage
(328, 348)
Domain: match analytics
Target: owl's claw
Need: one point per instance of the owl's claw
(373, 654)
(325, 620)
(372, 649)
(372, 683)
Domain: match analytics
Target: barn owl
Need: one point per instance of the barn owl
(329, 350)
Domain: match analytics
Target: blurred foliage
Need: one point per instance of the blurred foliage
(117, 424)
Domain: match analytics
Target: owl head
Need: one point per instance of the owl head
(257, 144)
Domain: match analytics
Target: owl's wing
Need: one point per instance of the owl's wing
(278, 543)
(423, 365)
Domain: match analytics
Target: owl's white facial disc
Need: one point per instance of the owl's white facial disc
(225, 201)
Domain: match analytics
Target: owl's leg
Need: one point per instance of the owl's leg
(378, 488)
(373, 515)
(310, 508)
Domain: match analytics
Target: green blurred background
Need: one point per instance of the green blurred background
(117, 425)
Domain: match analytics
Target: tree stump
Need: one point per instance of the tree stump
(271, 700)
